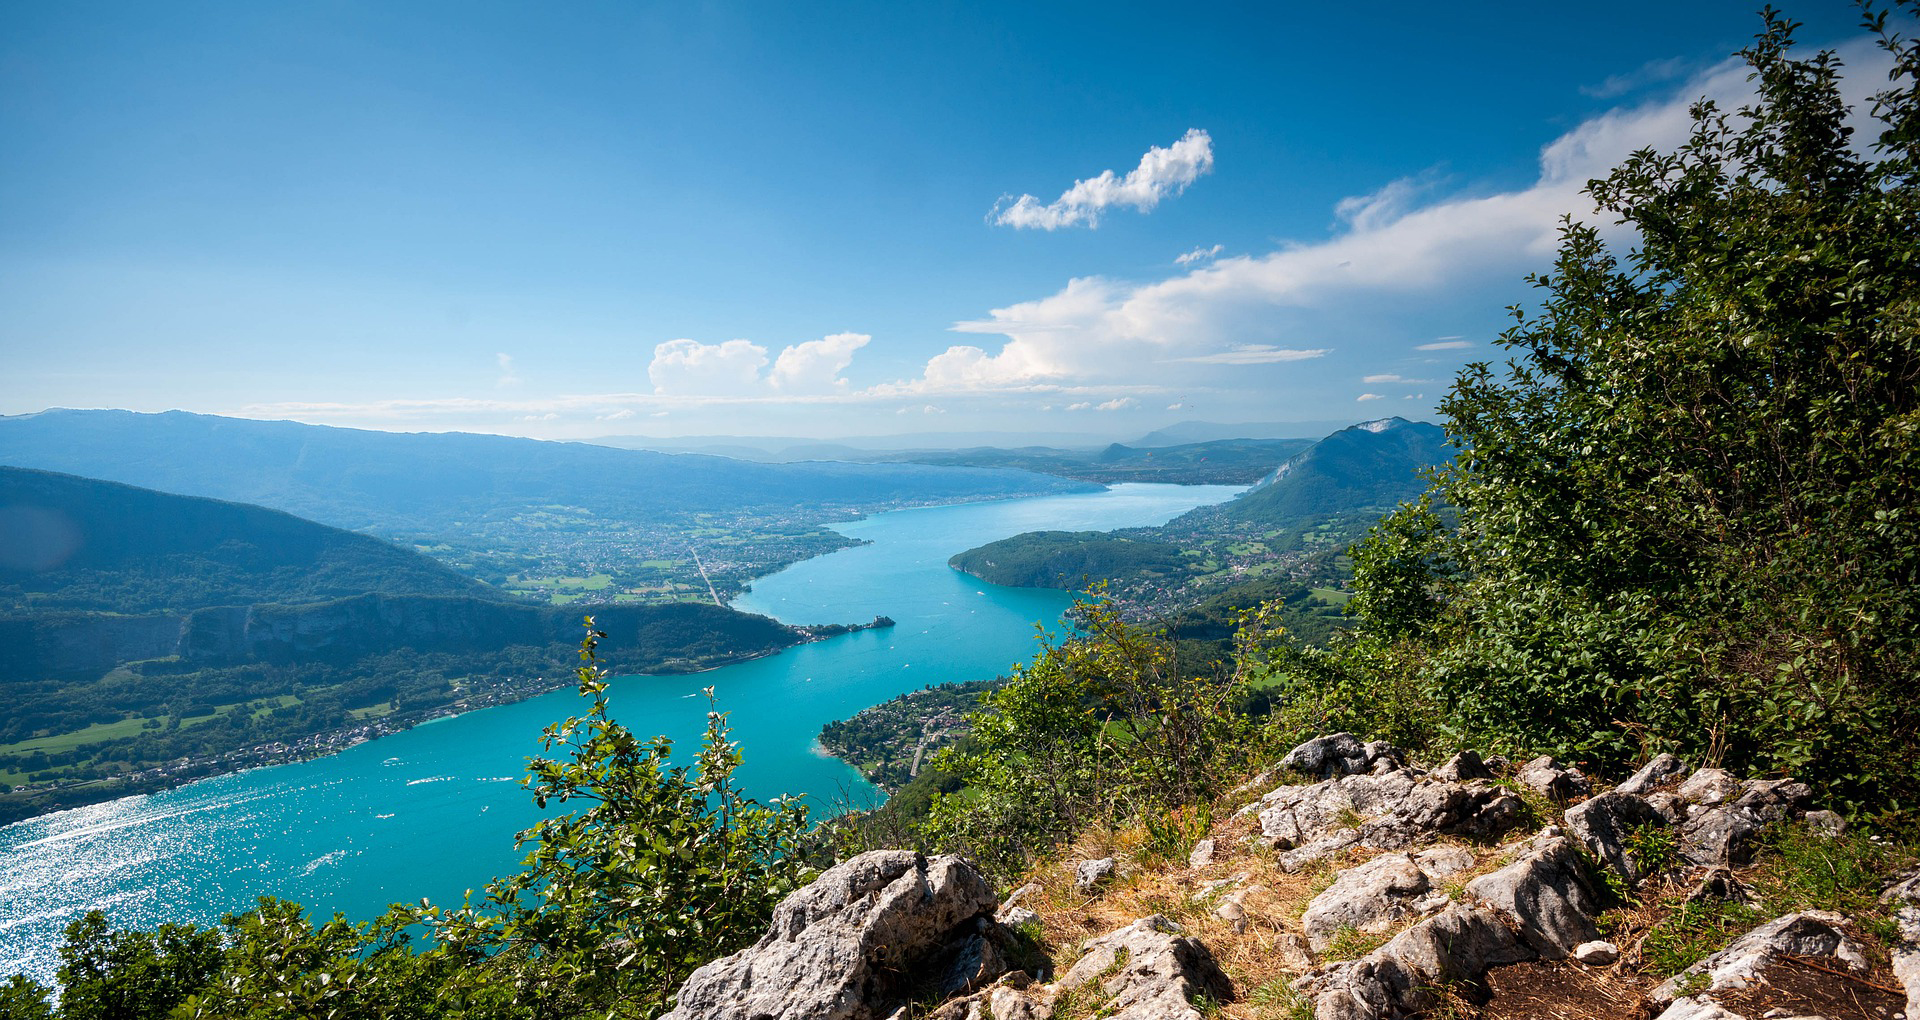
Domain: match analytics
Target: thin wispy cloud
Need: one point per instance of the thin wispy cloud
(1256, 354)
(1364, 397)
(1652, 72)
(1446, 343)
(1163, 171)
(507, 375)
(1199, 255)
(1372, 379)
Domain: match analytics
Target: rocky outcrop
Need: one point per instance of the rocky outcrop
(850, 945)
(1390, 808)
(1380, 894)
(1150, 971)
(889, 927)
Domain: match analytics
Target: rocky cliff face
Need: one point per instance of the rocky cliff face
(1465, 887)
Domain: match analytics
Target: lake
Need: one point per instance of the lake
(432, 811)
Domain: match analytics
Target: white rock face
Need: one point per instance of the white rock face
(1162, 974)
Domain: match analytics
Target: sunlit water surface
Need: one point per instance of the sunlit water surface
(432, 812)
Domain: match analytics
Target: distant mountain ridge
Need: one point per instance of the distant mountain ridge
(1374, 464)
(80, 543)
(426, 482)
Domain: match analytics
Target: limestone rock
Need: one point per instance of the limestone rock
(1202, 855)
(1014, 917)
(1547, 896)
(1708, 787)
(1663, 769)
(1725, 834)
(1389, 811)
(1697, 1007)
(1826, 823)
(1547, 776)
(1462, 767)
(1598, 953)
(1162, 973)
(1605, 824)
(1087, 875)
(1376, 896)
(1812, 933)
(1458, 944)
(838, 948)
(1337, 754)
(1292, 952)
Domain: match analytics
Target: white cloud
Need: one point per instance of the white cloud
(816, 365)
(1391, 379)
(1162, 172)
(1199, 255)
(689, 366)
(734, 368)
(1256, 354)
(507, 375)
(1370, 396)
(1405, 241)
(1118, 404)
(620, 415)
(1650, 73)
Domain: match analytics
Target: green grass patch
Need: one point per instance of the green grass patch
(1333, 596)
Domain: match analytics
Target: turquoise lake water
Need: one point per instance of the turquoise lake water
(432, 812)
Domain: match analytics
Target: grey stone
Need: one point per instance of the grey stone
(1202, 855)
(975, 963)
(1826, 823)
(1013, 898)
(1547, 895)
(1014, 917)
(1462, 767)
(1547, 776)
(1458, 944)
(839, 948)
(1384, 757)
(1373, 897)
(1390, 811)
(1709, 787)
(1812, 933)
(1669, 804)
(1605, 825)
(1337, 754)
(1697, 1007)
(1292, 952)
(1087, 875)
(1598, 953)
(1663, 769)
(1161, 974)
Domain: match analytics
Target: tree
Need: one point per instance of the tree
(1688, 505)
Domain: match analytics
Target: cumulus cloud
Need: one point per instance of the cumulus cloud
(1163, 171)
(816, 365)
(689, 366)
(1405, 241)
(1364, 397)
(734, 369)
(1199, 255)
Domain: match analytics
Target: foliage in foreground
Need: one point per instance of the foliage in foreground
(666, 867)
(1687, 506)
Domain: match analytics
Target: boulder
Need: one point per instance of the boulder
(1812, 933)
(1827, 823)
(1462, 767)
(842, 948)
(1378, 895)
(1337, 754)
(1389, 811)
(1605, 826)
(1456, 946)
(1548, 776)
(1087, 875)
(1725, 834)
(1708, 787)
(1547, 896)
(1663, 769)
(1151, 971)
(1697, 1007)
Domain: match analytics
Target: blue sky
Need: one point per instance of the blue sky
(816, 220)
